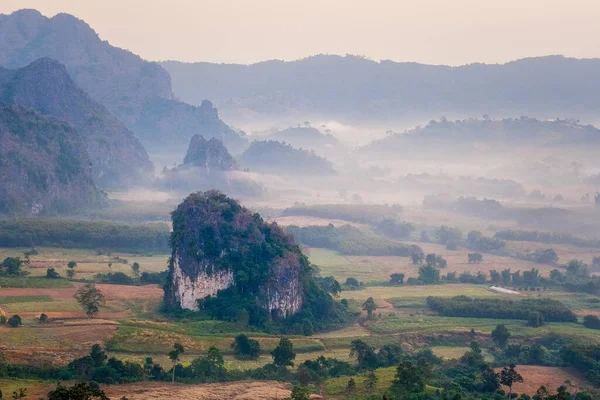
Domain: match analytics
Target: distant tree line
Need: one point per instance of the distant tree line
(360, 213)
(546, 237)
(463, 306)
(350, 240)
(72, 233)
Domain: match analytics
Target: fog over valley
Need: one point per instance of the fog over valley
(326, 227)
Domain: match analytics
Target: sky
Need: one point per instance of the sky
(452, 32)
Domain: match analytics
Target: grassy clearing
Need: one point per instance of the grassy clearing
(454, 353)
(89, 262)
(335, 388)
(42, 306)
(426, 324)
(35, 389)
(34, 283)
(24, 299)
(132, 339)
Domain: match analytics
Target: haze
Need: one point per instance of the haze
(430, 31)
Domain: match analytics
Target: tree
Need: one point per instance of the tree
(11, 266)
(351, 386)
(475, 258)
(397, 279)
(72, 264)
(428, 274)
(20, 393)
(509, 376)
(409, 380)
(174, 356)
(97, 355)
(417, 257)
(245, 348)
(500, 335)
(15, 321)
(490, 381)
(70, 273)
(371, 381)
(79, 391)
(43, 318)
(369, 306)
(284, 354)
(299, 393)
(352, 282)
(535, 319)
(365, 354)
(52, 274)
(135, 270)
(90, 298)
(591, 321)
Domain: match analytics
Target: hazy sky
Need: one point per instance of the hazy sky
(428, 31)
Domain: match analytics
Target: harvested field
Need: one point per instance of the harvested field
(551, 377)
(243, 390)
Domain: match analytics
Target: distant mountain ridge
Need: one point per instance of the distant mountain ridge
(356, 88)
(499, 134)
(136, 91)
(117, 157)
(44, 167)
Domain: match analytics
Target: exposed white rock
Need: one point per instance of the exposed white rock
(189, 290)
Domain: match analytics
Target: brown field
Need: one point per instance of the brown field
(243, 390)
(551, 377)
(111, 292)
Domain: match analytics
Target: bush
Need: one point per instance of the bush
(15, 321)
(245, 348)
(535, 319)
(591, 321)
(52, 274)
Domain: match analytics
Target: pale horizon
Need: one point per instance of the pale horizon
(427, 32)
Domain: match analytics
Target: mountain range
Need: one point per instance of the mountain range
(136, 91)
(352, 88)
(44, 166)
(117, 157)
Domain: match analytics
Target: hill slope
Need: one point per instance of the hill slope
(44, 167)
(495, 134)
(117, 156)
(356, 88)
(138, 92)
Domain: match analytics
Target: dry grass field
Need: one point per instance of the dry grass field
(552, 377)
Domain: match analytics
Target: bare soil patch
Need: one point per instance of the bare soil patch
(552, 377)
(243, 390)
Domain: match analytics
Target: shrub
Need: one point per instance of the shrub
(591, 321)
(15, 321)
(535, 319)
(245, 348)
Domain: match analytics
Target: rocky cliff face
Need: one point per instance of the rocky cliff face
(209, 154)
(117, 157)
(221, 249)
(44, 166)
(138, 92)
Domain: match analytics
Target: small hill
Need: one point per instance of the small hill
(228, 259)
(505, 133)
(118, 158)
(209, 165)
(44, 166)
(280, 158)
(136, 91)
(305, 137)
(211, 154)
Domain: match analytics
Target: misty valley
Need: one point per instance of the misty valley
(327, 228)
